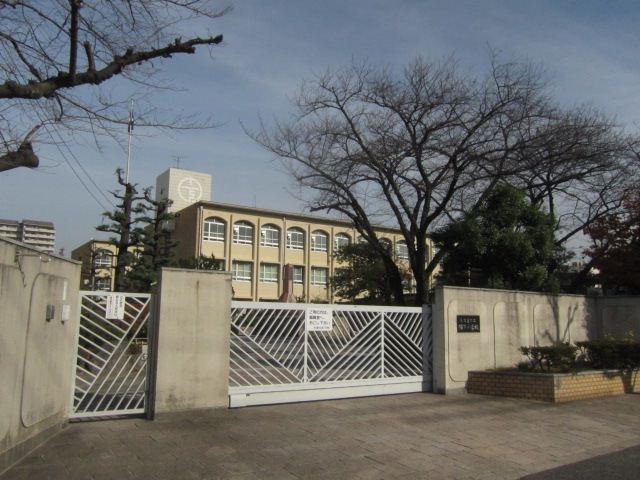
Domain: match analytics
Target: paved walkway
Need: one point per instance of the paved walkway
(414, 436)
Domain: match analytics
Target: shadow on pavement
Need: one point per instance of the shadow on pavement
(624, 464)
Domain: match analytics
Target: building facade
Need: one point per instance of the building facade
(98, 259)
(36, 233)
(255, 245)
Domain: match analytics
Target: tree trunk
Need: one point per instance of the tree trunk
(124, 241)
(395, 280)
(419, 273)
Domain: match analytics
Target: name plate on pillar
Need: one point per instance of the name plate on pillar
(319, 320)
(468, 323)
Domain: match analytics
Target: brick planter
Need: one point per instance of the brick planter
(554, 387)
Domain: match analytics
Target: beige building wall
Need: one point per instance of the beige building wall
(98, 271)
(189, 229)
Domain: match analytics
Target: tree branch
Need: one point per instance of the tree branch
(49, 86)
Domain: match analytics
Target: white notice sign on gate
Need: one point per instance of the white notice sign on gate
(319, 319)
(115, 306)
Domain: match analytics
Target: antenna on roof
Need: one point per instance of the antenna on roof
(176, 158)
(130, 131)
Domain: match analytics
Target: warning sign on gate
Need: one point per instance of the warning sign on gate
(115, 306)
(319, 319)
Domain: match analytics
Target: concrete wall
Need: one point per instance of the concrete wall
(192, 340)
(36, 355)
(508, 320)
(619, 316)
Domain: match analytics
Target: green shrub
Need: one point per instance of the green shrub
(560, 357)
(611, 353)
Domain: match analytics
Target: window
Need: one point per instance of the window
(270, 236)
(318, 276)
(319, 241)
(103, 258)
(241, 271)
(403, 251)
(342, 240)
(103, 283)
(298, 274)
(243, 233)
(269, 272)
(295, 239)
(213, 230)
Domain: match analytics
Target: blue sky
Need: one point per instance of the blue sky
(588, 48)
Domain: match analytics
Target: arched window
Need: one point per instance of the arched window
(341, 240)
(103, 258)
(214, 229)
(319, 241)
(270, 236)
(243, 233)
(295, 238)
(402, 250)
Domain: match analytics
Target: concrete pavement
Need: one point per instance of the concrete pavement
(403, 436)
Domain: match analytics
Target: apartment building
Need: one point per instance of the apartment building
(36, 233)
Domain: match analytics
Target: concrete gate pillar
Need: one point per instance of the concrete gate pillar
(190, 341)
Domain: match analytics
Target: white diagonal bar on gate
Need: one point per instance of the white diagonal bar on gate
(368, 358)
(281, 318)
(241, 357)
(360, 337)
(248, 345)
(89, 353)
(294, 339)
(113, 324)
(106, 352)
(128, 385)
(107, 377)
(400, 346)
(236, 378)
(123, 379)
(236, 371)
(97, 333)
(142, 323)
(403, 336)
(345, 348)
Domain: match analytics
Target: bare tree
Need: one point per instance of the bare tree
(56, 55)
(421, 148)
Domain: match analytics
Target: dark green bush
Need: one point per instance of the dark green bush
(561, 357)
(611, 353)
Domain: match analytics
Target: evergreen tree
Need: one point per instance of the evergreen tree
(154, 237)
(506, 243)
(123, 224)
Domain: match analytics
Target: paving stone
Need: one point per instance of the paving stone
(417, 436)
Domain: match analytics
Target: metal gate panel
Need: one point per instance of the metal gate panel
(111, 361)
(369, 350)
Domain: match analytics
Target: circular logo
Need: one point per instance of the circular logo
(189, 190)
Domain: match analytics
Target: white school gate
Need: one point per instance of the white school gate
(283, 352)
(279, 353)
